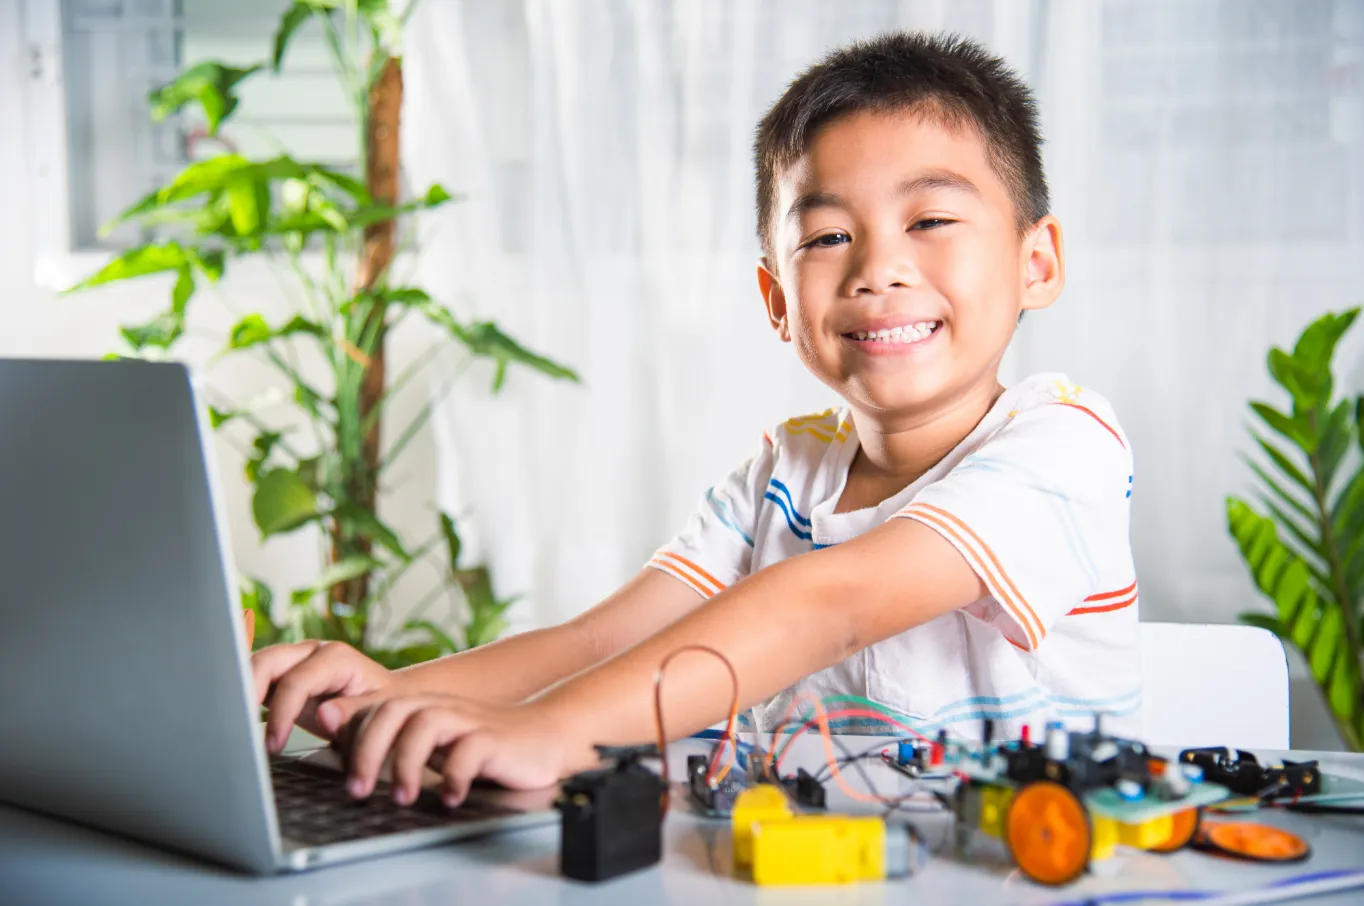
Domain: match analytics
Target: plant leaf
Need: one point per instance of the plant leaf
(1298, 430)
(210, 84)
(1313, 545)
(183, 290)
(439, 637)
(1336, 436)
(249, 331)
(1278, 489)
(159, 333)
(1317, 344)
(282, 502)
(347, 569)
(395, 659)
(1307, 615)
(289, 23)
(1261, 620)
(1286, 465)
(453, 544)
(356, 521)
(137, 262)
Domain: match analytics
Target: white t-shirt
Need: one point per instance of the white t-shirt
(1036, 499)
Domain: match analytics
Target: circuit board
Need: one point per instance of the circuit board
(1108, 803)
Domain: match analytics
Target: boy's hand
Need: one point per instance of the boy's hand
(518, 747)
(294, 680)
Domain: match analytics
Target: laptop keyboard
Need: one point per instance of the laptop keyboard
(314, 808)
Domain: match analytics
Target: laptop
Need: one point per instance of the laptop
(127, 702)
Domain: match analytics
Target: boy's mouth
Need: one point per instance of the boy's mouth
(903, 335)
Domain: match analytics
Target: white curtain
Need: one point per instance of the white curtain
(1205, 159)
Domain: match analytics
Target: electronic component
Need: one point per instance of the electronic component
(832, 849)
(1242, 773)
(805, 790)
(765, 802)
(715, 799)
(612, 816)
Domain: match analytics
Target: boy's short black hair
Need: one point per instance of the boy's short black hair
(944, 76)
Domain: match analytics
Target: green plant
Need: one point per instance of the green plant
(337, 234)
(1315, 574)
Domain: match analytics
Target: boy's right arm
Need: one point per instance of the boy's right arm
(298, 677)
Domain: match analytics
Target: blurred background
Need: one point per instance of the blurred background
(1206, 159)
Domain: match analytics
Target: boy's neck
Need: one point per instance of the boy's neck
(892, 455)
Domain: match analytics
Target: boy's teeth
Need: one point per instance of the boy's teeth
(908, 333)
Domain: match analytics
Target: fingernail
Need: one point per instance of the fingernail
(355, 787)
(327, 716)
(401, 796)
(450, 800)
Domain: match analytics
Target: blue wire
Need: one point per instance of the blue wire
(741, 749)
(1132, 896)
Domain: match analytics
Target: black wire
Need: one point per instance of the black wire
(892, 803)
(1313, 808)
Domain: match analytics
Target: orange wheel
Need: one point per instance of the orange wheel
(1048, 833)
(1257, 841)
(1183, 826)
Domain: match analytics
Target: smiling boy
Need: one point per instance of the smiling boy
(949, 548)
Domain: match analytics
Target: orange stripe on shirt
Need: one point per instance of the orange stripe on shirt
(677, 573)
(1090, 413)
(1105, 608)
(920, 511)
(1114, 594)
(718, 585)
(1022, 601)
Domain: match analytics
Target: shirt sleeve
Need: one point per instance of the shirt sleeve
(715, 547)
(1040, 511)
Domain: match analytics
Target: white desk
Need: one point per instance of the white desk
(45, 861)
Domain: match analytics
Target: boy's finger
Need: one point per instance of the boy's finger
(468, 757)
(424, 732)
(249, 622)
(373, 738)
(321, 673)
(335, 713)
(269, 664)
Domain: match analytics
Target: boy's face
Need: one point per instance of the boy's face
(900, 272)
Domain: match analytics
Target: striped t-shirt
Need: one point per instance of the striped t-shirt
(1036, 499)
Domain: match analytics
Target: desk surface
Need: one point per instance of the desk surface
(47, 861)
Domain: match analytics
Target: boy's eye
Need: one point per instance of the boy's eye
(829, 240)
(930, 223)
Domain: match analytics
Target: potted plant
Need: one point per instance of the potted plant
(1311, 486)
(336, 233)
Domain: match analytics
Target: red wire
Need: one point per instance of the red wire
(730, 732)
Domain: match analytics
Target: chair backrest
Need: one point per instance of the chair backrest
(1206, 685)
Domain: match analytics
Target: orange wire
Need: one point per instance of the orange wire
(730, 732)
(821, 716)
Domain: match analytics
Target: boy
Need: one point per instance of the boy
(946, 547)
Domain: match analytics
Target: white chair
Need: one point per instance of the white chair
(1206, 685)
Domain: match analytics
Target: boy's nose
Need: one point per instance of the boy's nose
(883, 266)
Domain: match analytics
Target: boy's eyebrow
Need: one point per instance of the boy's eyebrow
(933, 179)
(938, 179)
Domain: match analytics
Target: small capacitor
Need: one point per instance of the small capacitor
(1057, 741)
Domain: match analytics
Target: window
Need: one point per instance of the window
(95, 148)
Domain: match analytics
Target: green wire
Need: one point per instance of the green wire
(854, 699)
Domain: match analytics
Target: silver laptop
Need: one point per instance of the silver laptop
(125, 686)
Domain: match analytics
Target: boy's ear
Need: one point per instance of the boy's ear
(775, 299)
(1044, 264)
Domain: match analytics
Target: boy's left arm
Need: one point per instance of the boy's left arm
(786, 621)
